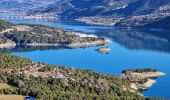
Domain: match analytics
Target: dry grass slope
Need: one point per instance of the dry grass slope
(12, 97)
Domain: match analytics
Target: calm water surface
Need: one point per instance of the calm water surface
(130, 49)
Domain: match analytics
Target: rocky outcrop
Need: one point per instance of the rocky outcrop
(142, 79)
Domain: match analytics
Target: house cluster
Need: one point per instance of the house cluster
(34, 70)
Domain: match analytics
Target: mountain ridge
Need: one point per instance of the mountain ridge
(81, 8)
(121, 12)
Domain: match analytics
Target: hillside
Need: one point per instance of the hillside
(39, 35)
(102, 10)
(163, 23)
(160, 20)
(49, 82)
(111, 12)
(5, 25)
(82, 8)
(67, 83)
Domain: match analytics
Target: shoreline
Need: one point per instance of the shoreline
(83, 40)
(47, 72)
(72, 45)
(43, 70)
(144, 86)
(87, 21)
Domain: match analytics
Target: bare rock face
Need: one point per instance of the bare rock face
(19, 83)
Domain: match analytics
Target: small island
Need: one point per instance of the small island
(104, 49)
(12, 35)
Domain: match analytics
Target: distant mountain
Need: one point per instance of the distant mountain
(6, 4)
(79, 8)
(24, 4)
(159, 20)
(133, 13)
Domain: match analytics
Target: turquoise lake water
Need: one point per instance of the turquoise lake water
(131, 48)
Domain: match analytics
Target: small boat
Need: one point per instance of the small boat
(103, 49)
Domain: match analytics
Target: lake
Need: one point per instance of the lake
(131, 48)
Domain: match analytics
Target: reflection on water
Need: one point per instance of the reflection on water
(139, 39)
(31, 48)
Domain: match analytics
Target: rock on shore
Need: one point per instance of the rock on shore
(143, 86)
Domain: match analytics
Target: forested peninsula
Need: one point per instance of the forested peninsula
(12, 35)
(21, 76)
